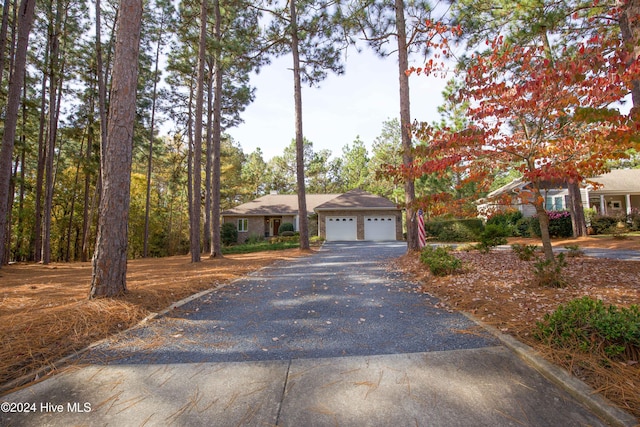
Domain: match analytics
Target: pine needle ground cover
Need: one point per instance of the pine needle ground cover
(45, 314)
(499, 290)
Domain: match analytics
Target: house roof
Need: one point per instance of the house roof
(287, 204)
(507, 188)
(618, 181)
(278, 204)
(356, 200)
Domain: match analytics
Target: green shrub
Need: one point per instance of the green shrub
(633, 219)
(604, 224)
(285, 226)
(459, 230)
(252, 239)
(508, 220)
(316, 240)
(524, 252)
(590, 326)
(285, 239)
(559, 224)
(492, 236)
(548, 273)
(524, 226)
(287, 233)
(228, 233)
(574, 251)
(440, 260)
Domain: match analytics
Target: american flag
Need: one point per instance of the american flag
(422, 236)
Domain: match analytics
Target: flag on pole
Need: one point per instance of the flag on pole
(422, 235)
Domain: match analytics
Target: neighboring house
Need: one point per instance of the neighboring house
(354, 215)
(617, 192)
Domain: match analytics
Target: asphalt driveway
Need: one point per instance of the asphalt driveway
(334, 338)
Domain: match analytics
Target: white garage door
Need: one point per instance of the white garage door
(381, 227)
(341, 228)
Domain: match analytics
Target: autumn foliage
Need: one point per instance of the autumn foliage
(554, 119)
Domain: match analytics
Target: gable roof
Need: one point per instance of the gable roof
(618, 181)
(287, 204)
(517, 183)
(357, 199)
(278, 204)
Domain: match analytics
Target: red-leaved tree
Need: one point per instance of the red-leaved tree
(554, 121)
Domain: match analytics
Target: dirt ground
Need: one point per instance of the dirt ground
(45, 313)
(497, 289)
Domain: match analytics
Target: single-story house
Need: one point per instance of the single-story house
(354, 215)
(617, 192)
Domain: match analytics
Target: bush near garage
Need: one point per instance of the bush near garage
(457, 230)
(440, 260)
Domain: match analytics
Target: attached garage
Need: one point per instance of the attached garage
(381, 227)
(358, 215)
(341, 228)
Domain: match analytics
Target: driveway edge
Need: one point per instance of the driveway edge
(40, 374)
(582, 392)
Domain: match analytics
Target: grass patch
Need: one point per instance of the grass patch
(259, 247)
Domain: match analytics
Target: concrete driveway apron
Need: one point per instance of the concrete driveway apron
(333, 338)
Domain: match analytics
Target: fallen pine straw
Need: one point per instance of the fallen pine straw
(45, 314)
(497, 289)
(35, 339)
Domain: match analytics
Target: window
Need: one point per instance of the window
(243, 224)
(554, 203)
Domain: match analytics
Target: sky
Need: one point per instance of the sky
(342, 108)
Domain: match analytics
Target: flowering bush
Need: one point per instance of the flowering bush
(559, 224)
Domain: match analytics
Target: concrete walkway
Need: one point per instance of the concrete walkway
(329, 339)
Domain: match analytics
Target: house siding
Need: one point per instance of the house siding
(257, 225)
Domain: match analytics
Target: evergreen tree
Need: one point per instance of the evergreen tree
(310, 31)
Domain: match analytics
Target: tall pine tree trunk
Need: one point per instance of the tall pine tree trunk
(110, 258)
(197, 139)
(25, 20)
(208, 197)
(54, 44)
(84, 256)
(37, 228)
(216, 244)
(405, 125)
(147, 206)
(3, 36)
(303, 220)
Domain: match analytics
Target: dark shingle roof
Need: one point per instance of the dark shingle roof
(287, 204)
(357, 199)
(278, 204)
